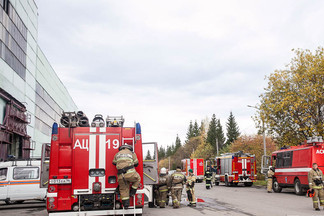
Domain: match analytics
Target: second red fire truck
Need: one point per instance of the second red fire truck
(82, 179)
(293, 163)
(197, 166)
(234, 168)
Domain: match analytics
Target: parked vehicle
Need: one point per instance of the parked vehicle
(293, 163)
(197, 166)
(234, 168)
(19, 181)
(85, 182)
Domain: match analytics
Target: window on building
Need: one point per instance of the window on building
(25, 173)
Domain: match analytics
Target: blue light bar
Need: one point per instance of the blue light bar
(138, 128)
(55, 128)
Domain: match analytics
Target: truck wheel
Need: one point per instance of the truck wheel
(248, 184)
(227, 184)
(276, 187)
(297, 187)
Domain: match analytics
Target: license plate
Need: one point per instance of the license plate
(60, 181)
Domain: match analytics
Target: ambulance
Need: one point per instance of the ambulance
(293, 163)
(82, 179)
(20, 181)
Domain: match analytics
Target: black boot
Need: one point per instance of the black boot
(132, 192)
(126, 204)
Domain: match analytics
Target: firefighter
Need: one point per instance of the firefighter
(208, 178)
(163, 187)
(190, 188)
(315, 180)
(125, 161)
(177, 181)
(270, 175)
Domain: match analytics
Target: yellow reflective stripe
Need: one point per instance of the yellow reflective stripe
(134, 187)
(124, 158)
(177, 174)
(315, 201)
(317, 187)
(125, 198)
(162, 201)
(163, 190)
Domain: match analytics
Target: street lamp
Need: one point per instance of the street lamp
(264, 140)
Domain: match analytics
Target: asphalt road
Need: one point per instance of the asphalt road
(219, 200)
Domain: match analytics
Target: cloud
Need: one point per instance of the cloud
(166, 63)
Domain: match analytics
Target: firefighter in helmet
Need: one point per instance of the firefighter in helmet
(125, 161)
(177, 181)
(190, 188)
(315, 180)
(208, 178)
(163, 187)
(270, 175)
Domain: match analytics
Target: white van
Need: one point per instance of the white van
(19, 181)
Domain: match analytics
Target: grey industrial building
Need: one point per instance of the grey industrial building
(32, 96)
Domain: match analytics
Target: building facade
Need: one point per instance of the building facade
(32, 97)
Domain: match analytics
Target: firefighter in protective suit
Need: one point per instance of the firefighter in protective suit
(270, 175)
(163, 187)
(315, 180)
(190, 188)
(177, 181)
(126, 161)
(208, 178)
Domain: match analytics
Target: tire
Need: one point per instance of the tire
(216, 183)
(276, 187)
(227, 184)
(248, 184)
(298, 188)
(235, 183)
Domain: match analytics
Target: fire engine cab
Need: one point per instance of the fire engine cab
(293, 163)
(234, 168)
(82, 179)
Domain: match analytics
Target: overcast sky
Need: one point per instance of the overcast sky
(164, 63)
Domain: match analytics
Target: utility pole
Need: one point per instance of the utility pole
(264, 131)
(217, 145)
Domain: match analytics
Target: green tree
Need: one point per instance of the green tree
(232, 128)
(220, 134)
(190, 132)
(177, 143)
(195, 129)
(161, 153)
(148, 155)
(292, 106)
(169, 151)
(212, 132)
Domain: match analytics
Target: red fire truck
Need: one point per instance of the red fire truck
(82, 179)
(234, 168)
(293, 163)
(197, 166)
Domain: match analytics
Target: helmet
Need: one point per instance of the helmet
(270, 167)
(125, 146)
(163, 171)
(190, 170)
(310, 193)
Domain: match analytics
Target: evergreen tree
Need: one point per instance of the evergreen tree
(173, 150)
(202, 129)
(190, 133)
(220, 134)
(168, 151)
(195, 129)
(148, 155)
(161, 153)
(232, 129)
(177, 143)
(211, 134)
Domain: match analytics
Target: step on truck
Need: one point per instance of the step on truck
(234, 168)
(81, 177)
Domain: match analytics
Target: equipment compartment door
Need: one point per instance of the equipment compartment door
(150, 163)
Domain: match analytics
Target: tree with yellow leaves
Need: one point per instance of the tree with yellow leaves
(292, 106)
